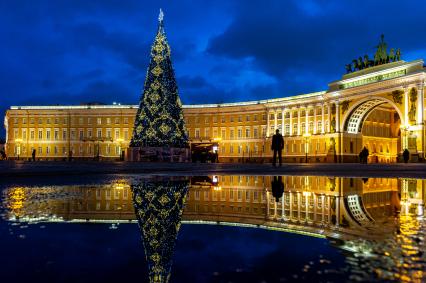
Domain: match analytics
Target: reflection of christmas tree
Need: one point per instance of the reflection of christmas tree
(159, 206)
(159, 121)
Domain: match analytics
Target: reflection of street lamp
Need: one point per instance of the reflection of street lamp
(306, 136)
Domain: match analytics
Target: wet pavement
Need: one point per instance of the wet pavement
(212, 228)
(25, 168)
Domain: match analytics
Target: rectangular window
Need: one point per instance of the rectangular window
(99, 121)
(80, 121)
(99, 133)
(197, 133)
(295, 129)
(240, 133)
(48, 134)
(223, 119)
(255, 133)
(240, 118)
(56, 134)
(117, 134)
(108, 120)
(231, 134)
(40, 150)
(32, 136)
(206, 120)
(126, 120)
(89, 133)
(247, 133)
(214, 119)
(81, 135)
(117, 120)
(89, 120)
(24, 134)
(223, 133)
(40, 134)
(64, 135)
(126, 134)
(108, 133)
(247, 118)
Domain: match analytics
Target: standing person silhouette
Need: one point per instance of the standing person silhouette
(277, 146)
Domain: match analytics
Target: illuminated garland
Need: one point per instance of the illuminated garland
(158, 207)
(159, 121)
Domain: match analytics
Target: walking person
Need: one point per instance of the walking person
(33, 155)
(277, 146)
(406, 155)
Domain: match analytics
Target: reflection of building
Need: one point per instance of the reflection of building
(381, 107)
(309, 204)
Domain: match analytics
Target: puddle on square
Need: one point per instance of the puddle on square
(214, 229)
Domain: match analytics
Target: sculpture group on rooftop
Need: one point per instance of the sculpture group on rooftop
(380, 57)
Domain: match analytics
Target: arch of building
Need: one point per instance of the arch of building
(357, 114)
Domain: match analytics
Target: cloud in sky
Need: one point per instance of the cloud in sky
(69, 52)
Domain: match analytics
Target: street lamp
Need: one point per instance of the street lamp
(405, 129)
(18, 147)
(119, 141)
(306, 136)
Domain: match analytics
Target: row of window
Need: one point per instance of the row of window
(223, 119)
(57, 134)
(296, 113)
(89, 150)
(74, 120)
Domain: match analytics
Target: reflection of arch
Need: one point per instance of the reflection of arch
(352, 122)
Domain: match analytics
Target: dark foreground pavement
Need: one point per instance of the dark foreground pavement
(13, 169)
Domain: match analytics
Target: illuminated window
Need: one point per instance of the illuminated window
(223, 133)
(255, 133)
(214, 119)
(126, 120)
(223, 119)
(40, 134)
(32, 136)
(206, 120)
(81, 135)
(247, 133)
(80, 121)
(99, 121)
(108, 120)
(56, 134)
(117, 120)
(99, 133)
(240, 133)
(48, 134)
(247, 118)
(240, 118)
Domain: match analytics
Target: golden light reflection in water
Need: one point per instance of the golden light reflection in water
(15, 200)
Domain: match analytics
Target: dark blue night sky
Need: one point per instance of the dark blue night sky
(69, 52)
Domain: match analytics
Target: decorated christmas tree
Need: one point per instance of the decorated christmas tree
(159, 120)
(159, 206)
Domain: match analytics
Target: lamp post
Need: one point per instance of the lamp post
(119, 141)
(405, 129)
(18, 147)
(306, 136)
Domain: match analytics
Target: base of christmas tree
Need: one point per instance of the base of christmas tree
(158, 154)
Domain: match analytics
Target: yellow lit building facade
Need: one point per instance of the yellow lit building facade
(381, 108)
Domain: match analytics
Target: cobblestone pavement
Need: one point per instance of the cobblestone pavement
(43, 168)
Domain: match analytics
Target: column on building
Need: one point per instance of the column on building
(268, 123)
(306, 120)
(329, 117)
(315, 130)
(282, 121)
(420, 116)
(291, 121)
(322, 119)
(338, 117)
(420, 101)
(275, 120)
(298, 121)
(406, 106)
